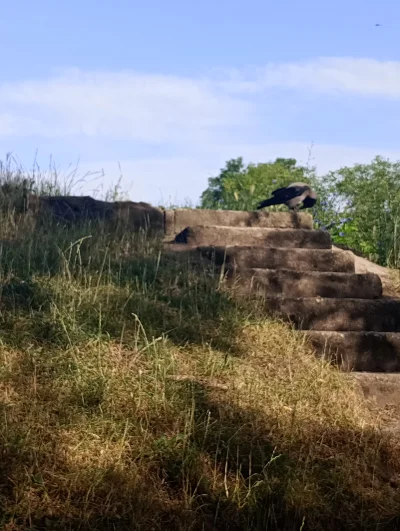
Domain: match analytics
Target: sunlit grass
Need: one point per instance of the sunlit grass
(135, 393)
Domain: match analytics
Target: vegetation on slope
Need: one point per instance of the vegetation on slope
(136, 394)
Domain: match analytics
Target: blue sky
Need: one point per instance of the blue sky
(166, 92)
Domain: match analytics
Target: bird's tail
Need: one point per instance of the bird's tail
(268, 202)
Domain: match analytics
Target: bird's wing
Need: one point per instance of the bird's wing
(289, 193)
(278, 191)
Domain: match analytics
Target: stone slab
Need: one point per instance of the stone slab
(201, 235)
(289, 283)
(280, 258)
(359, 351)
(330, 314)
(177, 220)
(234, 256)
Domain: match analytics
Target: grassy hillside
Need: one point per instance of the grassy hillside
(135, 394)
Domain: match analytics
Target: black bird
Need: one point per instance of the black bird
(292, 196)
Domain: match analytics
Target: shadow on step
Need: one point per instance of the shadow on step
(296, 284)
(342, 315)
(359, 351)
(358, 334)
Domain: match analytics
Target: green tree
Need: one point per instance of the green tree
(359, 205)
(240, 187)
(213, 196)
(363, 205)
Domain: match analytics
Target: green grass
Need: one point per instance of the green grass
(135, 393)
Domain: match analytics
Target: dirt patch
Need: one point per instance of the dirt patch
(383, 392)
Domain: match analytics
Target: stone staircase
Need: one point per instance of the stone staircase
(300, 277)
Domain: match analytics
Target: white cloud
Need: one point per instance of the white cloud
(123, 104)
(368, 77)
(171, 109)
(197, 118)
(11, 124)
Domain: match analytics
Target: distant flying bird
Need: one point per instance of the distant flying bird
(292, 196)
(378, 25)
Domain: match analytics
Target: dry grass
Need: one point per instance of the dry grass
(392, 284)
(135, 394)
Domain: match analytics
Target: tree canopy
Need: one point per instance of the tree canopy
(240, 187)
(362, 203)
(359, 205)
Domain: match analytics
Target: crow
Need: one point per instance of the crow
(292, 196)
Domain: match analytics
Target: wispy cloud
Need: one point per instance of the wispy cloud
(196, 124)
(368, 77)
(124, 104)
(154, 108)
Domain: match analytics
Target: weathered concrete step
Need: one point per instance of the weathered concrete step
(234, 256)
(175, 221)
(329, 314)
(200, 235)
(359, 351)
(289, 283)
(279, 258)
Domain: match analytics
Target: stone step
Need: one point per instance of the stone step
(234, 256)
(175, 221)
(289, 283)
(201, 235)
(359, 351)
(280, 258)
(329, 314)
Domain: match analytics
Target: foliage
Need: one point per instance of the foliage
(363, 205)
(135, 393)
(359, 205)
(240, 187)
